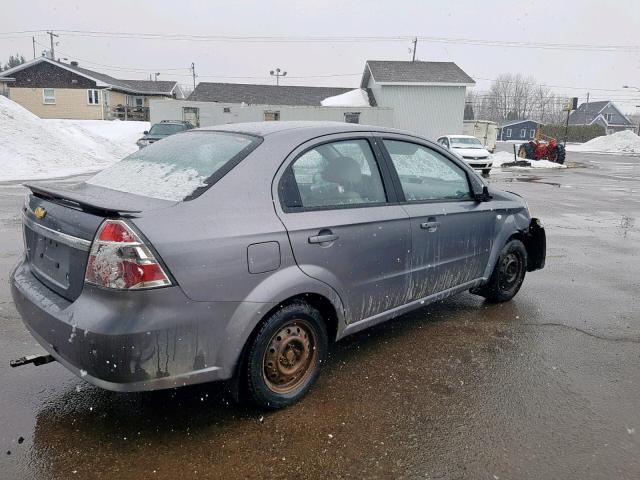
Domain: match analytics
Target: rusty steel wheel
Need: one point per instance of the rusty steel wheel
(290, 356)
(284, 358)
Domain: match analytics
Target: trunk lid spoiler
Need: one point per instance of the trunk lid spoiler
(97, 200)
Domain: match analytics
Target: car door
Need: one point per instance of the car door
(451, 232)
(346, 229)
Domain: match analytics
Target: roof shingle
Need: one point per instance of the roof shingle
(263, 94)
(415, 72)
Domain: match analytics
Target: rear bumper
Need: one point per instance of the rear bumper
(132, 341)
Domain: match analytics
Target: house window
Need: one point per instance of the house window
(226, 110)
(49, 96)
(523, 133)
(608, 117)
(135, 101)
(508, 133)
(533, 133)
(270, 116)
(191, 115)
(93, 97)
(352, 117)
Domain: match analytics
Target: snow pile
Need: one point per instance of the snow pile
(352, 98)
(507, 157)
(35, 148)
(620, 142)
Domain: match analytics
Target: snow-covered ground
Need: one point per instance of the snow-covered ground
(619, 142)
(35, 148)
(352, 98)
(507, 157)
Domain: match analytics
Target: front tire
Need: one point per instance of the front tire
(508, 274)
(285, 356)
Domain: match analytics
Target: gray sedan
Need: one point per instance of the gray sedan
(239, 251)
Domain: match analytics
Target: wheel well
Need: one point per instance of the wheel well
(526, 241)
(319, 302)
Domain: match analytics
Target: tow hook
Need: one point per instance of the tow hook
(35, 359)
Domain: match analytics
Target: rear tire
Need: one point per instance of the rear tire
(508, 274)
(562, 154)
(284, 359)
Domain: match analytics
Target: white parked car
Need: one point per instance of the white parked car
(470, 149)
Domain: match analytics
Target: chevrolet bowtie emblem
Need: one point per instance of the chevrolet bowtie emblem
(40, 213)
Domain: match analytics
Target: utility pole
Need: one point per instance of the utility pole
(586, 111)
(277, 73)
(415, 47)
(51, 35)
(193, 74)
(33, 40)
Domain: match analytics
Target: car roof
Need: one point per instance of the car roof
(461, 136)
(317, 128)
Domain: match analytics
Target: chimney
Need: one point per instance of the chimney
(74, 63)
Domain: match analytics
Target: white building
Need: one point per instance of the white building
(426, 98)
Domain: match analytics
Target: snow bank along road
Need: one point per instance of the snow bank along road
(545, 386)
(35, 148)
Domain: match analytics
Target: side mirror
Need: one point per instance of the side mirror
(481, 195)
(145, 132)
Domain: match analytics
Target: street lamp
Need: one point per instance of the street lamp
(277, 73)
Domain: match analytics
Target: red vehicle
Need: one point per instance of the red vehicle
(543, 148)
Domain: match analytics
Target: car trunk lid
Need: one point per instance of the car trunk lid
(59, 224)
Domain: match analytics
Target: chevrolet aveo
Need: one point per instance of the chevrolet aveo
(238, 252)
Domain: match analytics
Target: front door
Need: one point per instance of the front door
(451, 233)
(343, 230)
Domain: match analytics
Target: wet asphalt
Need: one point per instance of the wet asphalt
(545, 386)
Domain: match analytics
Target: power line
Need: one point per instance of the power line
(339, 39)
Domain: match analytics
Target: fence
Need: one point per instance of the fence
(123, 112)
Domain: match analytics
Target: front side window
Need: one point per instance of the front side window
(49, 95)
(179, 166)
(425, 174)
(337, 174)
(92, 97)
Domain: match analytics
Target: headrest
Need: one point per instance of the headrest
(342, 170)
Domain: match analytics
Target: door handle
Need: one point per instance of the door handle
(430, 226)
(326, 238)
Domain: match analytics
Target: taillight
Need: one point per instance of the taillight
(120, 259)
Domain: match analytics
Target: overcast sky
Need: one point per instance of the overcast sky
(587, 22)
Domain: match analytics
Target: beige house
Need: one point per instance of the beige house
(52, 89)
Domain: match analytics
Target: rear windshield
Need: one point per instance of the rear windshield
(166, 128)
(178, 168)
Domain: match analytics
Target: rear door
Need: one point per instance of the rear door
(346, 229)
(451, 232)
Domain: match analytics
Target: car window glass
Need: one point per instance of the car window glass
(338, 173)
(425, 174)
(176, 167)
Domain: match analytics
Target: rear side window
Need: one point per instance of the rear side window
(425, 174)
(337, 174)
(179, 167)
